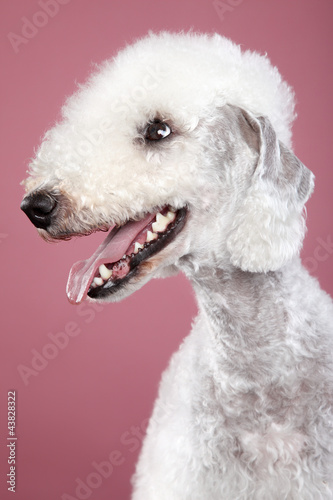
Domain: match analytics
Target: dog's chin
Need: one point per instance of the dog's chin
(135, 280)
(148, 263)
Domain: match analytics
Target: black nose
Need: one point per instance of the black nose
(39, 207)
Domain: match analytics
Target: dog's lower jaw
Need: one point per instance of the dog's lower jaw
(246, 390)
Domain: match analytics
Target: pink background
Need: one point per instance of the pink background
(90, 402)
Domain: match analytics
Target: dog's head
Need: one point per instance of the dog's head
(157, 148)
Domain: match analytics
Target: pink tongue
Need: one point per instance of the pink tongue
(111, 250)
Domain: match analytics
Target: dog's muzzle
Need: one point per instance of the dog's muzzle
(40, 207)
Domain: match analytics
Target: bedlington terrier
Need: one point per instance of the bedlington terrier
(180, 147)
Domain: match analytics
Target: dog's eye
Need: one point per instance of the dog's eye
(157, 131)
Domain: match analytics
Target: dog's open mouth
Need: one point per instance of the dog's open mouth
(121, 253)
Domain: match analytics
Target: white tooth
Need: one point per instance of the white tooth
(151, 236)
(171, 216)
(161, 223)
(105, 272)
(137, 247)
(98, 281)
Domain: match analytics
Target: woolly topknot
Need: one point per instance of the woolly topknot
(211, 67)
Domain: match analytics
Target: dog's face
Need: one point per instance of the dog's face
(150, 151)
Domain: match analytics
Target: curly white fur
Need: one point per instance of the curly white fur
(244, 410)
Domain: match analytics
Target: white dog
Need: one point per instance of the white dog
(181, 147)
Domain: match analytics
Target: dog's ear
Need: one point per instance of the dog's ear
(269, 227)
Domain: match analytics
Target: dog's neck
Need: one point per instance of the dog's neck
(244, 318)
(239, 298)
